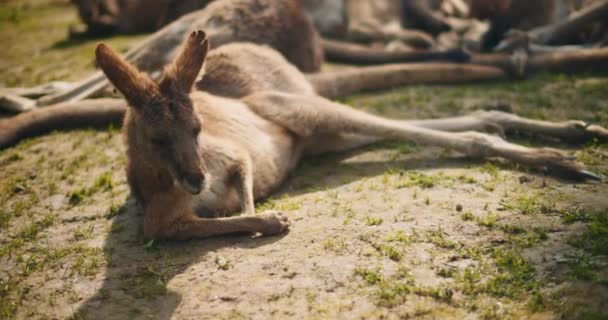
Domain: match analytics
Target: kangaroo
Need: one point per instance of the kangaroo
(505, 15)
(103, 17)
(281, 24)
(234, 139)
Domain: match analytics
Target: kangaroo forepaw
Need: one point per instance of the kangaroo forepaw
(274, 222)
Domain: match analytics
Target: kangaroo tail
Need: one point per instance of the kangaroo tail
(86, 113)
(354, 80)
(344, 52)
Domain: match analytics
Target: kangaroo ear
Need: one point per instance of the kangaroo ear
(137, 87)
(185, 68)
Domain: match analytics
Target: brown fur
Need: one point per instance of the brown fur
(132, 16)
(525, 15)
(218, 149)
(510, 14)
(277, 23)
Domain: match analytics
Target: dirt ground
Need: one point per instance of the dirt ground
(393, 231)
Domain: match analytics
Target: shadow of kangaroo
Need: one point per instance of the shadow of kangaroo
(235, 139)
(134, 285)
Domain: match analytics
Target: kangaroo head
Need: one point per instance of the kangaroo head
(167, 126)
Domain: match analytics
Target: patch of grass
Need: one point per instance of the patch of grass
(466, 179)
(384, 249)
(515, 274)
(582, 264)
(488, 221)
(393, 291)
(371, 277)
(27, 234)
(528, 238)
(103, 183)
(404, 238)
(469, 280)
(284, 203)
(390, 252)
(83, 232)
(8, 307)
(467, 216)
(88, 261)
(422, 180)
(528, 204)
(595, 237)
(576, 214)
(447, 272)
(504, 273)
(438, 238)
(5, 218)
(491, 169)
(511, 229)
(334, 245)
(373, 221)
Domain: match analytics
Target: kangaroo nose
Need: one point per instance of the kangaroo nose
(194, 183)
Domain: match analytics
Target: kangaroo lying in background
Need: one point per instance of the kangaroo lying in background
(537, 16)
(235, 139)
(104, 17)
(281, 24)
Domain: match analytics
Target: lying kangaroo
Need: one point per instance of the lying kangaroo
(505, 15)
(235, 139)
(281, 24)
(104, 17)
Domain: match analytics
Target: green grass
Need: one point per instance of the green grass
(438, 238)
(283, 203)
(419, 179)
(40, 49)
(392, 291)
(488, 221)
(515, 277)
(576, 214)
(595, 237)
(373, 221)
(467, 216)
(103, 183)
(528, 204)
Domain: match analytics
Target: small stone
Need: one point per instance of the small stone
(459, 207)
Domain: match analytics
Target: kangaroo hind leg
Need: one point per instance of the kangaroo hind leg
(309, 116)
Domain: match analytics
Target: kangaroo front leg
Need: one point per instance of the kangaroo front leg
(170, 216)
(308, 116)
(244, 186)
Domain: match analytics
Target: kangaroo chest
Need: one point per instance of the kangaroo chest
(232, 134)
